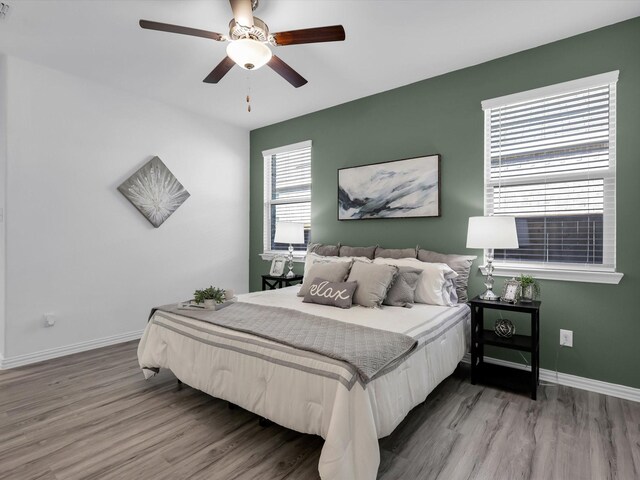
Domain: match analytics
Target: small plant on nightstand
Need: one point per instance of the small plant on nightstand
(529, 288)
(209, 296)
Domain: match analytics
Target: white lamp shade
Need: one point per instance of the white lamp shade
(249, 54)
(492, 232)
(288, 232)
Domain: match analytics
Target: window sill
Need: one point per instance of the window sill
(298, 257)
(586, 276)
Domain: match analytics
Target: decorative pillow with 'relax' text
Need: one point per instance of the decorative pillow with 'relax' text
(335, 294)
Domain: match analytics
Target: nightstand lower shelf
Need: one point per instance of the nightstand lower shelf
(516, 342)
(506, 378)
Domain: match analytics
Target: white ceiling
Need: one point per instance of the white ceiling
(389, 43)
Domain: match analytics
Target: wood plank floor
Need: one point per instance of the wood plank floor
(93, 416)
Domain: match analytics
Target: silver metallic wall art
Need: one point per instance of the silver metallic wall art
(154, 191)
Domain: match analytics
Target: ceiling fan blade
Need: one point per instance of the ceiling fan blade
(334, 33)
(286, 72)
(242, 12)
(220, 71)
(167, 27)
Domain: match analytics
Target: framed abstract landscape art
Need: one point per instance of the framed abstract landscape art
(397, 189)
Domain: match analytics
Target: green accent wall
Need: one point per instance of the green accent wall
(443, 115)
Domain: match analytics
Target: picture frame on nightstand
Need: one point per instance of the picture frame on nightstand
(277, 266)
(510, 291)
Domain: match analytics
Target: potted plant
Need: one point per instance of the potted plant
(209, 296)
(529, 288)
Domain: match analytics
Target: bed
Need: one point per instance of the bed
(306, 391)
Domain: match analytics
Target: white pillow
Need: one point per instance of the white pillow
(450, 292)
(434, 285)
(312, 258)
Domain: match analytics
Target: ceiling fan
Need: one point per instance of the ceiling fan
(249, 39)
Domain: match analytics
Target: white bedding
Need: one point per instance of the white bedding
(308, 392)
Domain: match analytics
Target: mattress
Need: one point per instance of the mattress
(308, 392)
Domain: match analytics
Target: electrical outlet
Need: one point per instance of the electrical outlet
(566, 338)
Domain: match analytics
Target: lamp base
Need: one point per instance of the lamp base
(488, 283)
(489, 295)
(290, 273)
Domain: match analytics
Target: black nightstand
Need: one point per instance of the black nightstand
(269, 282)
(499, 375)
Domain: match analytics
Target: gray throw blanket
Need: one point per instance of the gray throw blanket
(368, 350)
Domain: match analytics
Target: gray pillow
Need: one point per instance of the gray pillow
(373, 282)
(324, 250)
(332, 271)
(357, 251)
(461, 264)
(396, 252)
(401, 293)
(335, 294)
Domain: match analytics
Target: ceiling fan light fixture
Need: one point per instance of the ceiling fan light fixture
(248, 53)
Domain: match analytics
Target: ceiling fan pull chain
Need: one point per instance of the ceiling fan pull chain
(248, 94)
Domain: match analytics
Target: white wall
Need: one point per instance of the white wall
(75, 246)
(3, 183)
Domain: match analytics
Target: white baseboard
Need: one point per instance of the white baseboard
(26, 359)
(597, 386)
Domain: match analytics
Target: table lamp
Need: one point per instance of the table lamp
(490, 233)
(288, 232)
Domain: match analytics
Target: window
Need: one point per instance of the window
(550, 162)
(287, 192)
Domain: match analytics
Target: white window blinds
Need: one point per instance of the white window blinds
(287, 191)
(550, 162)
